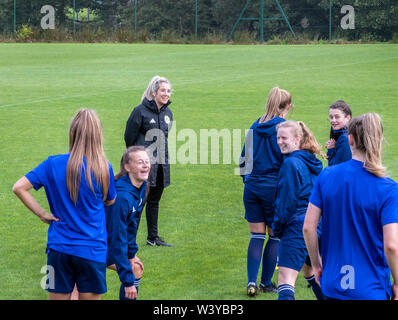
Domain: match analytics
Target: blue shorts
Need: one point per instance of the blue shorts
(259, 198)
(68, 270)
(292, 249)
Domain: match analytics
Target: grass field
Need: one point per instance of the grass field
(215, 86)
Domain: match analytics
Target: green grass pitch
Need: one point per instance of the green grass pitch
(215, 87)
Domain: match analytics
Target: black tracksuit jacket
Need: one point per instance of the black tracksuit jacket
(146, 117)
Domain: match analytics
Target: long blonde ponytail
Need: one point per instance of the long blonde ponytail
(277, 102)
(367, 132)
(85, 140)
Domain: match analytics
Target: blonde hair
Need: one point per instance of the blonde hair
(367, 132)
(153, 87)
(85, 140)
(278, 100)
(308, 141)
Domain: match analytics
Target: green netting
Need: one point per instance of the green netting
(173, 20)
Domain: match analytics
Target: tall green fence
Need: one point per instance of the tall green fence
(176, 20)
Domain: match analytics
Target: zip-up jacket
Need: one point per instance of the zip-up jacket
(261, 157)
(341, 152)
(149, 127)
(296, 179)
(122, 221)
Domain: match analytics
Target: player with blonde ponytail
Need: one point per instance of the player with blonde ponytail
(260, 163)
(359, 209)
(298, 172)
(77, 185)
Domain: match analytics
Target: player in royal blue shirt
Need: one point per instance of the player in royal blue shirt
(338, 148)
(260, 162)
(123, 218)
(77, 185)
(299, 169)
(359, 209)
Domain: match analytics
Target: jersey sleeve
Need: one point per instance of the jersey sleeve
(246, 157)
(133, 126)
(316, 194)
(112, 185)
(38, 176)
(389, 209)
(343, 150)
(285, 204)
(132, 235)
(118, 241)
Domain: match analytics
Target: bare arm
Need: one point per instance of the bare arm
(311, 221)
(390, 235)
(109, 202)
(21, 189)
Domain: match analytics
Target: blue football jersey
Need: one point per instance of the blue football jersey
(355, 206)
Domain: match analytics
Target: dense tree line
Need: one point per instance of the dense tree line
(374, 19)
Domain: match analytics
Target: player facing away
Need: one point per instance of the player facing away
(338, 148)
(123, 218)
(77, 186)
(357, 199)
(297, 174)
(260, 162)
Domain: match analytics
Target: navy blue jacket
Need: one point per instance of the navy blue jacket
(261, 157)
(341, 152)
(296, 179)
(122, 221)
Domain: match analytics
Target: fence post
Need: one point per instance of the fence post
(261, 21)
(196, 19)
(15, 16)
(330, 20)
(74, 21)
(135, 16)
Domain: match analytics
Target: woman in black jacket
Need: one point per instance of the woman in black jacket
(149, 125)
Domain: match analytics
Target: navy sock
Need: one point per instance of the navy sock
(137, 284)
(254, 254)
(285, 292)
(315, 287)
(270, 257)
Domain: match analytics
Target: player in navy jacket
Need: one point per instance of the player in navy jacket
(122, 220)
(338, 148)
(260, 162)
(357, 199)
(296, 178)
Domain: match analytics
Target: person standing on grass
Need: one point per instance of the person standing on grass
(299, 169)
(359, 209)
(77, 186)
(149, 125)
(123, 218)
(338, 148)
(260, 162)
